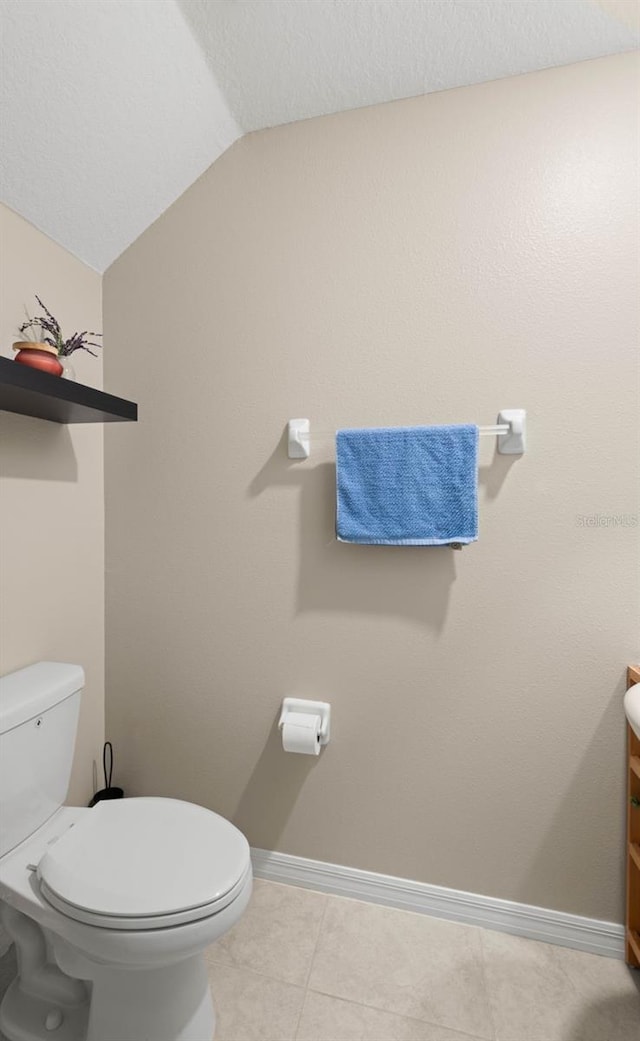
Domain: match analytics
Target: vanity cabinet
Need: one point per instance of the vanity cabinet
(632, 946)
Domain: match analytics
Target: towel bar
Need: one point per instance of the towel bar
(511, 426)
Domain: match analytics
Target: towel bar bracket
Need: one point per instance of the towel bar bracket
(514, 442)
(299, 439)
(510, 431)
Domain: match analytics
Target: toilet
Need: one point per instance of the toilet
(110, 908)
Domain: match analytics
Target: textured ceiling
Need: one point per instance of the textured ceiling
(110, 109)
(283, 60)
(108, 112)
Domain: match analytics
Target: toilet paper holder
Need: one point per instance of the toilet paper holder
(291, 707)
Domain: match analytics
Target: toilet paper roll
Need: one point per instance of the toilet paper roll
(301, 733)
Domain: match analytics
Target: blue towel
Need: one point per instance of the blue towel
(407, 486)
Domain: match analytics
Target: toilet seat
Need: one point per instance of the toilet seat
(145, 863)
(148, 922)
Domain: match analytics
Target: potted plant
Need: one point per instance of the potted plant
(46, 352)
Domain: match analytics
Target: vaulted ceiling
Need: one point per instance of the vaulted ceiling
(110, 109)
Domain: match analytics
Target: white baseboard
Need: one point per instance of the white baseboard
(535, 923)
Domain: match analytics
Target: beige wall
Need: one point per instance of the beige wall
(428, 261)
(52, 495)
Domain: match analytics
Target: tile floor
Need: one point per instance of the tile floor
(303, 966)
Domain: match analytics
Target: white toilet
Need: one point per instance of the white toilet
(110, 908)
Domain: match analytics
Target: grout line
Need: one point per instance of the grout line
(400, 1015)
(311, 961)
(557, 959)
(483, 969)
(252, 972)
(380, 1008)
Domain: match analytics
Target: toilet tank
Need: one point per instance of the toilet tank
(38, 719)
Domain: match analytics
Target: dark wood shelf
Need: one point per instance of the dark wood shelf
(32, 393)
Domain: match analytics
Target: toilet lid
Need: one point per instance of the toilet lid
(143, 858)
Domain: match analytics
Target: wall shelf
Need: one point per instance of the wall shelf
(30, 392)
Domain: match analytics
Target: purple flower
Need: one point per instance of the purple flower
(48, 324)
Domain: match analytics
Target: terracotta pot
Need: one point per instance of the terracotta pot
(38, 356)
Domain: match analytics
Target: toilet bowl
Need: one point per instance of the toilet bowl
(111, 908)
